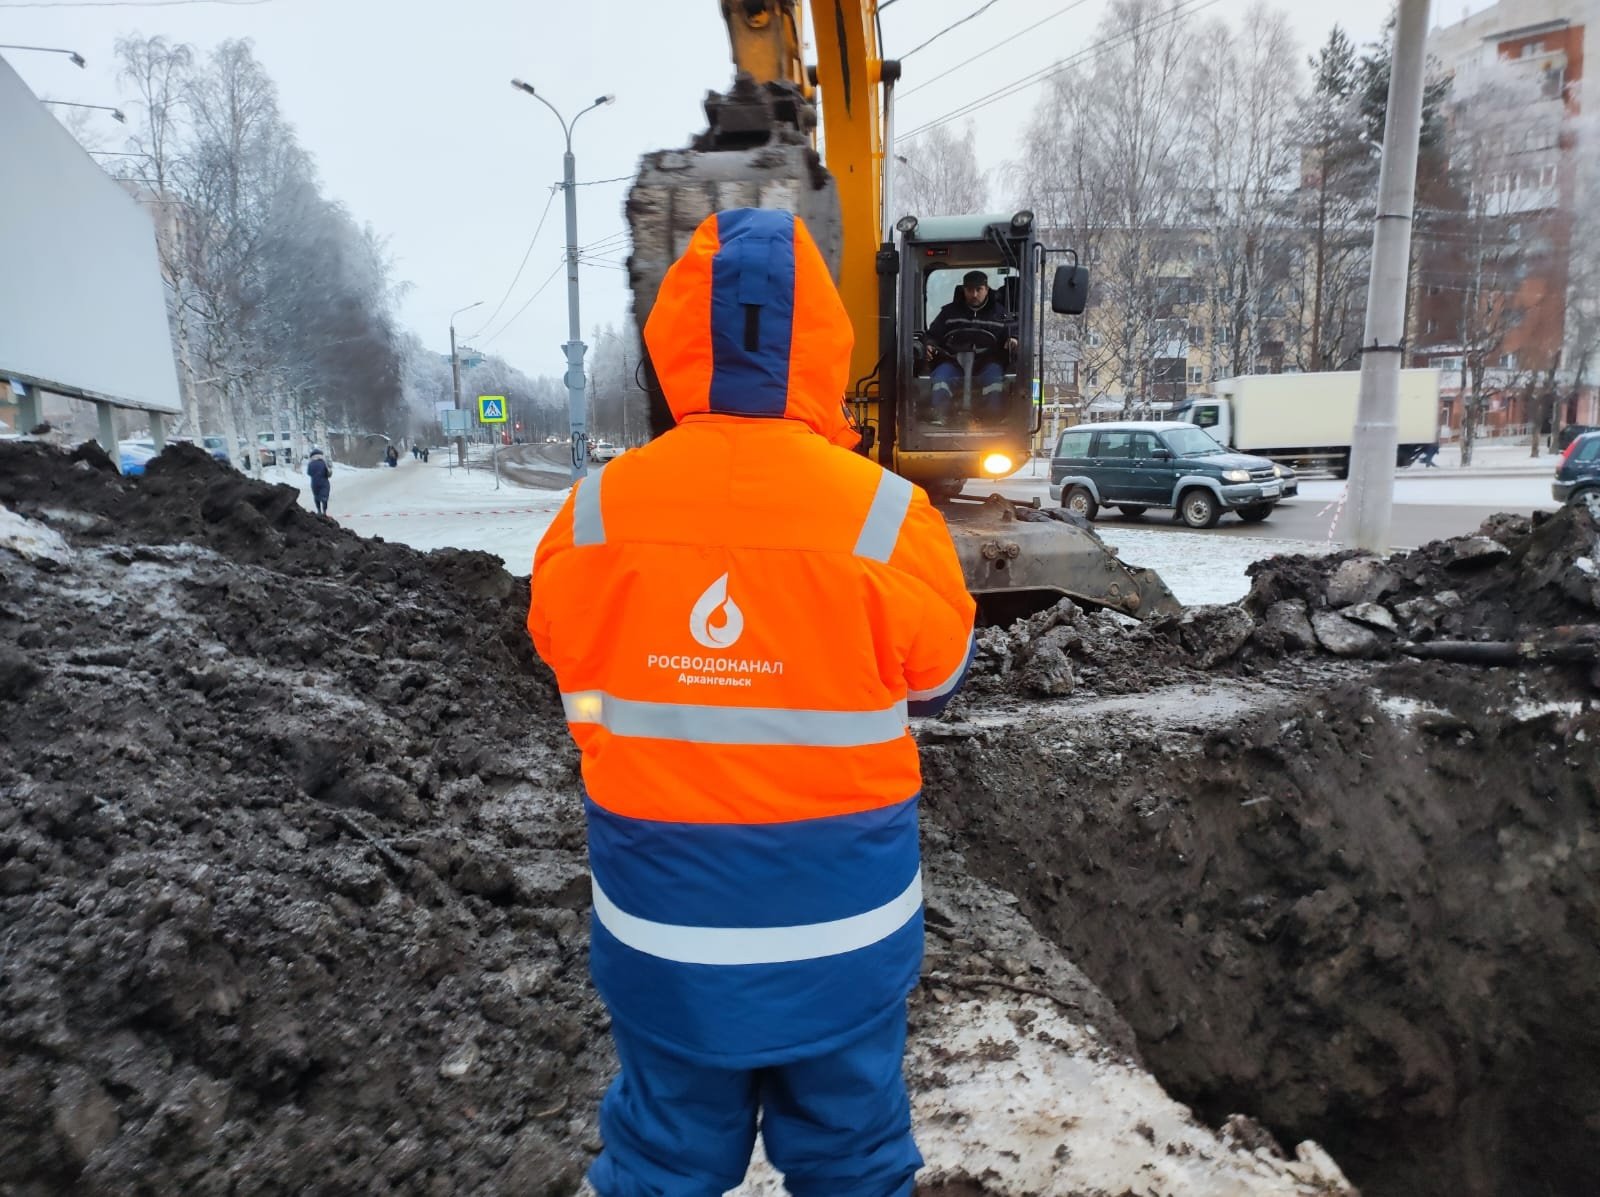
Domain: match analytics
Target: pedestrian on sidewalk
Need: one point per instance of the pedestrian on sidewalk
(321, 474)
(1429, 452)
(737, 666)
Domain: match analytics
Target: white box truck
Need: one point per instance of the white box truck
(1310, 419)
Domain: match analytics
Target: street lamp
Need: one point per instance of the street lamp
(116, 113)
(77, 59)
(455, 376)
(574, 347)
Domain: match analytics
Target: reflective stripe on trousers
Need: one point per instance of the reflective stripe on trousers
(758, 945)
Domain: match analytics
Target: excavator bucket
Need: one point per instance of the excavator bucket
(676, 189)
(1018, 560)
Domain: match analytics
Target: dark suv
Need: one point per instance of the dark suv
(1137, 466)
(1578, 474)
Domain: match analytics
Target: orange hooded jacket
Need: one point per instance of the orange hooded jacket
(740, 616)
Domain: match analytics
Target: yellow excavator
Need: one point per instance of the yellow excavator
(760, 150)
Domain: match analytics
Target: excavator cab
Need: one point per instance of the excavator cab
(964, 404)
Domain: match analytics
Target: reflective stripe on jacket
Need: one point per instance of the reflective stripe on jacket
(741, 616)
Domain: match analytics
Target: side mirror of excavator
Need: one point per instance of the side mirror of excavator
(1069, 293)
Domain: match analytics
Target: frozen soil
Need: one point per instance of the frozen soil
(293, 895)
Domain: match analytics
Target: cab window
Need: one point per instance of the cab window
(1114, 444)
(1145, 445)
(1073, 444)
(1206, 416)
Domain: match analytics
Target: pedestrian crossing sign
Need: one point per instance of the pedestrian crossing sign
(491, 409)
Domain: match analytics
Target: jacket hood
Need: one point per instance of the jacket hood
(749, 323)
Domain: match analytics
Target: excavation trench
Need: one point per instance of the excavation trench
(1356, 903)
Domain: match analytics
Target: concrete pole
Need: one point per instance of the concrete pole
(30, 408)
(455, 380)
(576, 415)
(158, 431)
(108, 429)
(1377, 436)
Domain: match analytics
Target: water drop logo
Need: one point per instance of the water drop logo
(732, 623)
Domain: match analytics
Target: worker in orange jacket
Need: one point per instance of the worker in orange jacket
(741, 617)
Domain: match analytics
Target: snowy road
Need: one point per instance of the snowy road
(435, 506)
(431, 506)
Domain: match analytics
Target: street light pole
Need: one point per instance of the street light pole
(77, 59)
(455, 376)
(574, 347)
(116, 113)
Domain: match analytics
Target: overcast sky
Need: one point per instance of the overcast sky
(407, 107)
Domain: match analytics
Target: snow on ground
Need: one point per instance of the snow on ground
(1060, 1116)
(1198, 569)
(1517, 492)
(31, 540)
(1202, 569)
(433, 505)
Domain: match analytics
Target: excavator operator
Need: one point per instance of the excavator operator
(741, 616)
(976, 321)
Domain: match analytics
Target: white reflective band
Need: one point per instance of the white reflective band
(693, 724)
(588, 525)
(758, 945)
(949, 683)
(888, 511)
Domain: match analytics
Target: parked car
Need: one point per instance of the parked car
(603, 451)
(1578, 471)
(133, 456)
(1572, 432)
(276, 448)
(1135, 466)
(216, 446)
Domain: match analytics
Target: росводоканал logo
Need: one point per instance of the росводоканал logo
(725, 634)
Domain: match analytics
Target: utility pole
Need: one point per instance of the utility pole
(1377, 434)
(576, 416)
(455, 377)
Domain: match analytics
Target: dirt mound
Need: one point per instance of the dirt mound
(1515, 577)
(289, 902)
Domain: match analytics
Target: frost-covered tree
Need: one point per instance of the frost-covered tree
(937, 174)
(282, 304)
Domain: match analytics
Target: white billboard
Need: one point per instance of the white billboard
(82, 308)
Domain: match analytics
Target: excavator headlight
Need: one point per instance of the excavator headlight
(997, 464)
(906, 225)
(1022, 220)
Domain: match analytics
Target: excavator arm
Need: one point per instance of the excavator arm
(760, 150)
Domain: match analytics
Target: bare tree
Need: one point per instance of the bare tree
(1244, 164)
(158, 70)
(1491, 239)
(937, 174)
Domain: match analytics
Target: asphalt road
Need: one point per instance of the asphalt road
(1312, 519)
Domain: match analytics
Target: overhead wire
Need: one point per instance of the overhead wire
(971, 16)
(930, 81)
(548, 280)
(1183, 11)
(532, 241)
